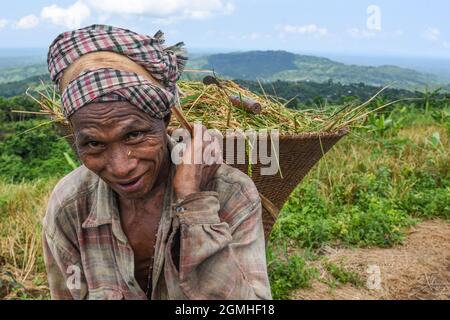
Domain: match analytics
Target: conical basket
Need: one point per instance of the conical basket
(297, 156)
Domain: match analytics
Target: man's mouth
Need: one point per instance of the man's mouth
(131, 185)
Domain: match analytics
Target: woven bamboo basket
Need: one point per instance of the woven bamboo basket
(297, 156)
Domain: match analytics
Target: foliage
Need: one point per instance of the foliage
(341, 275)
(18, 103)
(288, 274)
(34, 150)
(305, 94)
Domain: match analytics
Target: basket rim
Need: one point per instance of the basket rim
(308, 135)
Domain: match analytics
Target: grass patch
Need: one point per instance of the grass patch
(22, 207)
(342, 276)
(289, 273)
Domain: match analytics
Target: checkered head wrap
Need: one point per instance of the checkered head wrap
(101, 84)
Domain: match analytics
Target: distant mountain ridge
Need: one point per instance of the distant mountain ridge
(19, 73)
(286, 66)
(269, 66)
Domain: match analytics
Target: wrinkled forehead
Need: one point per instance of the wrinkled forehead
(111, 113)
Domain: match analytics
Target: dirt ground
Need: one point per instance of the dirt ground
(418, 269)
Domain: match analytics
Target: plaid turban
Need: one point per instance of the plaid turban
(165, 64)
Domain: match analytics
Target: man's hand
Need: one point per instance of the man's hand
(191, 177)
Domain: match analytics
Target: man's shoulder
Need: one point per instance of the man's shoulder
(230, 177)
(76, 186)
(76, 183)
(237, 193)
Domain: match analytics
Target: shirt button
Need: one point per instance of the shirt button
(179, 209)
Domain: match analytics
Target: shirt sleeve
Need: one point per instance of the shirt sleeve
(216, 261)
(62, 258)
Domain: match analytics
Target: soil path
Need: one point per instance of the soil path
(418, 269)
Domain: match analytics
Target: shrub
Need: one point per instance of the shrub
(290, 274)
(33, 151)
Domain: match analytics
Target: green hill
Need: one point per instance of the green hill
(17, 88)
(17, 73)
(286, 66)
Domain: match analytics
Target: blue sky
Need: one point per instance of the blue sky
(359, 27)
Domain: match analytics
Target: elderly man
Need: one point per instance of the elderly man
(129, 223)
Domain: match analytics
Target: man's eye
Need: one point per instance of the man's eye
(135, 135)
(94, 144)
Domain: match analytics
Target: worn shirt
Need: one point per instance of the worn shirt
(210, 245)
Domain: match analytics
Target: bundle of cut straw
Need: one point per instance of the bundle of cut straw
(208, 104)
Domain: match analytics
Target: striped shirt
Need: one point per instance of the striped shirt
(221, 252)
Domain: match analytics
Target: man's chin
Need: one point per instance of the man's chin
(134, 193)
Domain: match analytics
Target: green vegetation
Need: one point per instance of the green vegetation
(8, 106)
(267, 66)
(340, 275)
(289, 274)
(301, 94)
(33, 150)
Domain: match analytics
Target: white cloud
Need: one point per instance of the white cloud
(361, 33)
(251, 36)
(399, 33)
(3, 23)
(432, 34)
(255, 36)
(71, 17)
(310, 29)
(171, 9)
(27, 22)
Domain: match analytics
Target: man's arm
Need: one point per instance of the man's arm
(61, 254)
(56, 278)
(216, 261)
(65, 275)
(218, 258)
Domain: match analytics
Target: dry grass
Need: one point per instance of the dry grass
(351, 155)
(22, 209)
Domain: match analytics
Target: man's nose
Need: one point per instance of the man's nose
(120, 163)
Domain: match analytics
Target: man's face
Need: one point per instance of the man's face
(124, 146)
